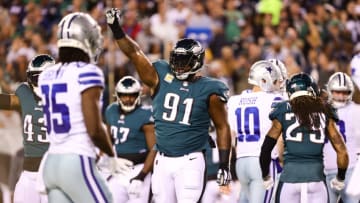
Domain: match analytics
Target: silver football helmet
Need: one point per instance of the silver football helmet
(340, 82)
(37, 65)
(265, 75)
(80, 30)
(284, 75)
(128, 85)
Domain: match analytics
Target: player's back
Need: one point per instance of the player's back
(348, 128)
(62, 85)
(248, 118)
(181, 111)
(303, 158)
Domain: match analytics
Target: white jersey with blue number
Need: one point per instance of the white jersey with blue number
(248, 115)
(348, 126)
(61, 86)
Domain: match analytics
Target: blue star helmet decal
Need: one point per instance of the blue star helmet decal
(269, 69)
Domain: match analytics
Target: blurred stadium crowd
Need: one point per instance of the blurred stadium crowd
(318, 37)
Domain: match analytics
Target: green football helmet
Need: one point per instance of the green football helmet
(301, 84)
(37, 65)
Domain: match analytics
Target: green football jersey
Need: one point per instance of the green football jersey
(181, 111)
(303, 152)
(34, 130)
(126, 129)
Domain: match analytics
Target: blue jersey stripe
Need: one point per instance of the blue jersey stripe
(91, 82)
(91, 74)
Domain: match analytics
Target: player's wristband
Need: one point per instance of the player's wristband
(341, 174)
(224, 156)
(141, 176)
(117, 30)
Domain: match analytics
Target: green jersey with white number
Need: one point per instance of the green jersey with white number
(126, 129)
(34, 131)
(303, 152)
(181, 111)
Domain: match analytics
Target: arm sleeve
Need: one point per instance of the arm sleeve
(265, 155)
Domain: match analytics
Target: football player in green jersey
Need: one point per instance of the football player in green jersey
(132, 130)
(304, 121)
(27, 101)
(183, 104)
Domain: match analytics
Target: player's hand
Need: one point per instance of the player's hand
(114, 15)
(268, 182)
(120, 165)
(223, 176)
(337, 184)
(135, 188)
(136, 184)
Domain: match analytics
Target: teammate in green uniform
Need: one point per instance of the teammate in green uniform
(27, 101)
(304, 121)
(132, 130)
(183, 104)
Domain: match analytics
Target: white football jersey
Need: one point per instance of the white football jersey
(355, 69)
(349, 117)
(248, 116)
(61, 86)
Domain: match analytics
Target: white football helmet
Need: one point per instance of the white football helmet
(37, 65)
(128, 85)
(341, 82)
(80, 30)
(283, 71)
(265, 75)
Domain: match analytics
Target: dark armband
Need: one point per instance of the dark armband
(265, 155)
(341, 174)
(117, 30)
(224, 157)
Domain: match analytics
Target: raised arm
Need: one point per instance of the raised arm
(9, 102)
(132, 50)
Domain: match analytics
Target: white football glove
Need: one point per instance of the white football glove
(135, 188)
(223, 177)
(114, 15)
(120, 165)
(337, 184)
(268, 182)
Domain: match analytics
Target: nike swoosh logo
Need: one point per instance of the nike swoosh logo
(192, 158)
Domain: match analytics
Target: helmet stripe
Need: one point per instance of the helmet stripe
(70, 21)
(62, 29)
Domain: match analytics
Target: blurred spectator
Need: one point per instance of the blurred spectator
(271, 8)
(131, 25)
(234, 20)
(161, 26)
(150, 44)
